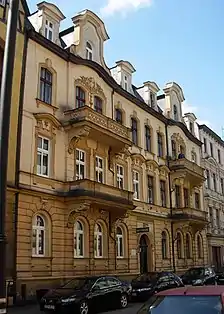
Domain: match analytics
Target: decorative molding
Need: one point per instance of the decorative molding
(48, 63)
(43, 205)
(137, 160)
(90, 85)
(47, 124)
(81, 133)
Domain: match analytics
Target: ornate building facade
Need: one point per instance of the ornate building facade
(212, 161)
(110, 175)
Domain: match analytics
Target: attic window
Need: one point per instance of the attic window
(89, 51)
(125, 82)
(191, 127)
(152, 99)
(49, 30)
(175, 113)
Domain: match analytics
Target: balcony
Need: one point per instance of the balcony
(187, 169)
(104, 196)
(99, 127)
(194, 217)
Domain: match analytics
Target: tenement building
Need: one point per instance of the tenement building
(212, 161)
(15, 126)
(110, 175)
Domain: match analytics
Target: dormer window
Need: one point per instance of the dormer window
(49, 30)
(175, 113)
(152, 99)
(89, 51)
(125, 82)
(191, 127)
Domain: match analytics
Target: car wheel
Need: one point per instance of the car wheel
(83, 308)
(124, 301)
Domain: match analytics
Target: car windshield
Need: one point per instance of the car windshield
(195, 272)
(148, 277)
(79, 283)
(183, 305)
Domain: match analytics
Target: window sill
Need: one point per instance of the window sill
(43, 103)
(41, 256)
(79, 257)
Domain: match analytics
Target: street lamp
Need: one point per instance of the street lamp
(5, 109)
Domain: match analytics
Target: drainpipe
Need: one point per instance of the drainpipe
(112, 103)
(171, 203)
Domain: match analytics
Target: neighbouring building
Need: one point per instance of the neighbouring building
(15, 125)
(213, 162)
(110, 176)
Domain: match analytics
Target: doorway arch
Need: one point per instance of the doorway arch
(144, 254)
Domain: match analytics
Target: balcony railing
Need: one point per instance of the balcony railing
(186, 164)
(189, 214)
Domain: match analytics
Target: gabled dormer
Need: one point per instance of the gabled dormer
(190, 121)
(46, 21)
(149, 92)
(87, 36)
(122, 73)
(174, 98)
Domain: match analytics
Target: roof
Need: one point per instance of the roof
(206, 129)
(204, 290)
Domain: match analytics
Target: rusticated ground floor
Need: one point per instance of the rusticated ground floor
(58, 239)
(216, 250)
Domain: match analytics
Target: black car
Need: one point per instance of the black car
(147, 284)
(220, 276)
(199, 276)
(82, 294)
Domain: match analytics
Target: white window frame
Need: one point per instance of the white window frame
(125, 82)
(38, 230)
(43, 152)
(79, 163)
(77, 234)
(48, 29)
(120, 240)
(136, 185)
(99, 170)
(120, 177)
(97, 236)
(89, 51)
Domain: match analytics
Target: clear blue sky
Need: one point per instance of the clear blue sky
(168, 40)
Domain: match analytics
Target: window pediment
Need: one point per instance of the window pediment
(47, 123)
(90, 85)
(152, 165)
(137, 160)
(164, 170)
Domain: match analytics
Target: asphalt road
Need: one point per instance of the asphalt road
(131, 309)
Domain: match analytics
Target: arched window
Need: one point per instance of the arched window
(175, 113)
(98, 104)
(98, 241)
(78, 239)
(39, 236)
(179, 246)
(164, 245)
(134, 131)
(200, 246)
(118, 116)
(46, 80)
(188, 246)
(89, 51)
(80, 97)
(120, 242)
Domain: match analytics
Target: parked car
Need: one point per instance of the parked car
(199, 276)
(186, 300)
(82, 294)
(147, 284)
(220, 276)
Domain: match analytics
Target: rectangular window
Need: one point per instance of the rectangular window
(160, 144)
(174, 149)
(163, 193)
(205, 145)
(43, 152)
(211, 149)
(197, 200)
(118, 116)
(147, 139)
(219, 156)
(211, 216)
(80, 164)
(222, 185)
(98, 104)
(217, 219)
(150, 190)
(208, 179)
(120, 177)
(99, 170)
(214, 182)
(177, 196)
(49, 30)
(191, 127)
(46, 86)
(152, 100)
(136, 185)
(134, 130)
(186, 197)
(125, 82)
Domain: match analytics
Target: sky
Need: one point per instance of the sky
(166, 40)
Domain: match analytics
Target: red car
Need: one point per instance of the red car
(186, 300)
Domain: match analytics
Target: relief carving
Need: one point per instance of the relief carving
(43, 205)
(84, 132)
(90, 84)
(137, 160)
(76, 211)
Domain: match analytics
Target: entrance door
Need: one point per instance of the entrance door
(143, 254)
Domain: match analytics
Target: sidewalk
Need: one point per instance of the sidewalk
(31, 309)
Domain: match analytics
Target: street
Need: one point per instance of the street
(132, 309)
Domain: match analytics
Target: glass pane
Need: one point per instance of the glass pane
(100, 163)
(41, 242)
(81, 244)
(50, 35)
(82, 156)
(100, 244)
(39, 143)
(40, 221)
(45, 165)
(75, 244)
(34, 240)
(82, 171)
(45, 144)
(101, 177)
(121, 246)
